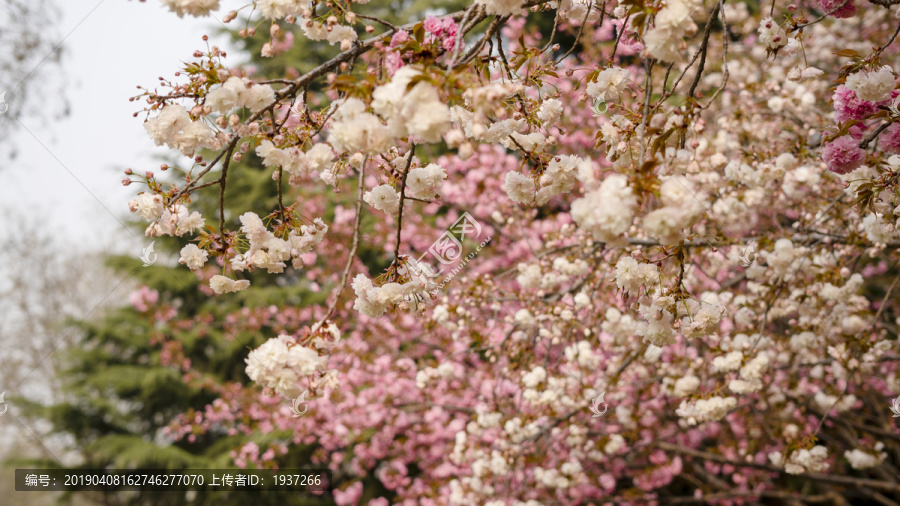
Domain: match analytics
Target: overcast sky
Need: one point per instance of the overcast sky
(68, 173)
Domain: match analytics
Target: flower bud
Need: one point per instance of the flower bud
(465, 151)
(454, 137)
(126, 182)
(149, 174)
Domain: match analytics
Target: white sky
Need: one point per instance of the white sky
(68, 173)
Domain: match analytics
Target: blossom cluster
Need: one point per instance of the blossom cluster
(691, 226)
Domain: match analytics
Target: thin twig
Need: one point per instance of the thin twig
(882, 48)
(724, 55)
(841, 480)
(704, 46)
(412, 151)
(887, 297)
(839, 7)
(222, 193)
(865, 142)
(648, 88)
(580, 31)
(353, 248)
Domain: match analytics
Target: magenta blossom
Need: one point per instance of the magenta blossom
(433, 26)
(890, 139)
(848, 106)
(847, 11)
(142, 298)
(843, 155)
(399, 38)
(450, 28)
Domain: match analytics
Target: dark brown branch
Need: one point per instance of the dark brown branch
(492, 28)
(882, 48)
(225, 165)
(412, 151)
(280, 202)
(839, 7)
(840, 480)
(353, 248)
(619, 37)
(724, 55)
(865, 142)
(581, 30)
(704, 46)
(690, 64)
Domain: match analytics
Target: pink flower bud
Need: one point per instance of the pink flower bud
(126, 182)
(149, 174)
